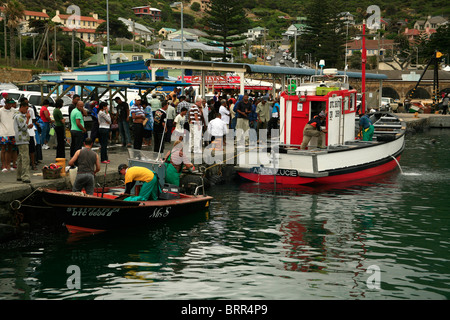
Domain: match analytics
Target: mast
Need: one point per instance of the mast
(363, 69)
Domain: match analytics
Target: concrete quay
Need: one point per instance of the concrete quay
(423, 121)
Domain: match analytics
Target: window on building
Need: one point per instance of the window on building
(137, 58)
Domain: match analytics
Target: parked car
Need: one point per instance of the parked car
(388, 104)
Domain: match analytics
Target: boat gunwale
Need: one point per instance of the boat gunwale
(133, 204)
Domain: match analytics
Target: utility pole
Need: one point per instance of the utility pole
(295, 48)
(134, 28)
(73, 47)
(108, 56)
(54, 51)
(265, 56)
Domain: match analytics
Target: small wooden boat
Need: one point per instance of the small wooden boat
(104, 211)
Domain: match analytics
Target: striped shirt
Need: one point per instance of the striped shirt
(182, 104)
(137, 110)
(194, 111)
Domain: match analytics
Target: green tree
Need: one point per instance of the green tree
(226, 22)
(117, 29)
(439, 41)
(14, 12)
(195, 6)
(324, 37)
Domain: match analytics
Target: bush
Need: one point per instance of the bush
(195, 7)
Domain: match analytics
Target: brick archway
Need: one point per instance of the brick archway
(390, 92)
(419, 93)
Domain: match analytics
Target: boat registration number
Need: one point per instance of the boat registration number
(92, 212)
(270, 171)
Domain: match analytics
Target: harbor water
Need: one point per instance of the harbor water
(387, 238)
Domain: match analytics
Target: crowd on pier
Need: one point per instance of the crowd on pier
(145, 121)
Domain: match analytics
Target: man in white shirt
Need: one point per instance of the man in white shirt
(179, 122)
(224, 112)
(195, 125)
(7, 134)
(217, 129)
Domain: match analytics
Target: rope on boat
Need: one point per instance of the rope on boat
(16, 204)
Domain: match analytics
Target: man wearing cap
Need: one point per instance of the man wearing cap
(263, 111)
(313, 129)
(123, 113)
(149, 189)
(366, 127)
(138, 116)
(4, 98)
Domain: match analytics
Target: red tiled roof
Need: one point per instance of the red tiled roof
(370, 44)
(82, 18)
(412, 32)
(35, 14)
(85, 30)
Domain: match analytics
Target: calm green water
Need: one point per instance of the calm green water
(257, 243)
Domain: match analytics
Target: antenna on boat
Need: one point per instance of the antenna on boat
(321, 65)
(162, 140)
(363, 69)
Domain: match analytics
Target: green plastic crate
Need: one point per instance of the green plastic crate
(321, 91)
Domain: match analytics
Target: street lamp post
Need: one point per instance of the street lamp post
(308, 61)
(295, 48)
(182, 37)
(108, 53)
(79, 52)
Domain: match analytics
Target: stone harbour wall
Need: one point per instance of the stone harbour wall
(15, 75)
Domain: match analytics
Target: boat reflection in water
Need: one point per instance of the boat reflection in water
(326, 230)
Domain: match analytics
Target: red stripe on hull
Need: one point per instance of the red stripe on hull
(357, 175)
(76, 229)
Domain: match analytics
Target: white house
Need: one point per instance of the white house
(139, 31)
(255, 33)
(171, 50)
(296, 28)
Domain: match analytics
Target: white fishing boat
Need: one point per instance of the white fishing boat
(345, 156)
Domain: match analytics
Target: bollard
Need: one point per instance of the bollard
(62, 163)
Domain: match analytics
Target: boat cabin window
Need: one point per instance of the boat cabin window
(317, 106)
(352, 101)
(346, 103)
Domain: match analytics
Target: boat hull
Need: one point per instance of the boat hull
(96, 214)
(342, 176)
(354, 161)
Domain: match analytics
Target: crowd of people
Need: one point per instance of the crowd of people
(155, 121)
(144, 122)
(23, 135)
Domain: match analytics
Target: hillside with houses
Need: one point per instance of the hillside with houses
(144, 29)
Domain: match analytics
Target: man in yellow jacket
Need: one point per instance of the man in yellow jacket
(150, 188)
